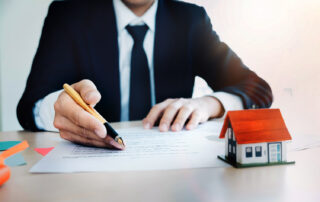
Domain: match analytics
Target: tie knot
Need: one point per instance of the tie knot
(137, 32)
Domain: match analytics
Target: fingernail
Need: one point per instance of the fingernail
(101, 133)
(146, 126)
(190, 126)
(116, 145)
(164, 127)
(90, 95)
(177, 127)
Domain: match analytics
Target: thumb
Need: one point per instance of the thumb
(88, 91)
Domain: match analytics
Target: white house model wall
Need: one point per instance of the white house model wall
(256, 152)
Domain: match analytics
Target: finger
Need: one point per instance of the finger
(169, 114)
(194, 120)
(66, 125)
(66, 107)
(155, 113)
(111, 144)
(88, 91)
(184, 113)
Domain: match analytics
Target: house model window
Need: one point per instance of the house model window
(248, 152)
(255, 137)
(258, 151)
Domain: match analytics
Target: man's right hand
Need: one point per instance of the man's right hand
(77, 125)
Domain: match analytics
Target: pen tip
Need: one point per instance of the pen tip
(120, 141)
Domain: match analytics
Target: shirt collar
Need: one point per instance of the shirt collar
(125, 16)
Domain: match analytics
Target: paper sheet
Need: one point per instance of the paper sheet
(304, 142)
(145, 150)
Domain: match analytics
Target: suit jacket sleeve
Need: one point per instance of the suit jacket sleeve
(223, 69)
(53, 64)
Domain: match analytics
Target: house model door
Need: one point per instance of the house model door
(275, 152)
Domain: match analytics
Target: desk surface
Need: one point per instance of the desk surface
(299, 182)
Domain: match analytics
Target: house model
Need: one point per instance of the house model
(255, 137)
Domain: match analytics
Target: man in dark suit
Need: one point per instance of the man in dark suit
(143, 56)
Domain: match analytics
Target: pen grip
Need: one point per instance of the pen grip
(111, 131)
(77, 98)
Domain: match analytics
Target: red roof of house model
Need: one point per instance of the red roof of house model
(256, 125)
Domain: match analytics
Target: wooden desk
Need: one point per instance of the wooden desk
(299, 182)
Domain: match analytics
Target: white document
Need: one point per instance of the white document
(304, 142)
(145, 150)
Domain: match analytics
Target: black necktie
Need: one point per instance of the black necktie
(140, 93)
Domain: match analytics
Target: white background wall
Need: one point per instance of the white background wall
(20, 28)
(278, 39)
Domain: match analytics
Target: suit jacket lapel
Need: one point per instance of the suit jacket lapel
(162, 51)
(105, 58)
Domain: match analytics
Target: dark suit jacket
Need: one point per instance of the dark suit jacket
(79, 41)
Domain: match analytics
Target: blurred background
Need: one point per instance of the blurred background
(278, 39)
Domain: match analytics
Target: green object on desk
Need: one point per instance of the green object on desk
(15, 160)
(4, 145)
(238, 165)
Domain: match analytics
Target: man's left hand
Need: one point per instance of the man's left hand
(174, 114)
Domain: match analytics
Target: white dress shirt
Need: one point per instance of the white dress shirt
(124, 17)
(44, 110)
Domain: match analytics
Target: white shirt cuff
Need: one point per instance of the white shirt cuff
(43, 112)
(229, 101)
